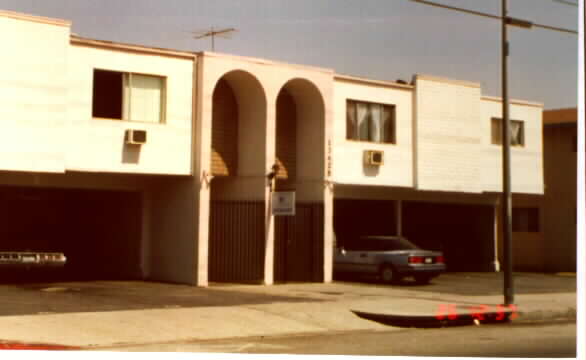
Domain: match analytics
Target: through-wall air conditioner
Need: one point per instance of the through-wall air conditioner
(135, 137)
(373, 157)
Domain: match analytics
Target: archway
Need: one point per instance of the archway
(236, 233)
(300, 154)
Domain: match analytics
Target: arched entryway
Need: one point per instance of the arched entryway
(238, 157)
(300, 154)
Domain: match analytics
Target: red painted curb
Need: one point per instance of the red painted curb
(22, 346)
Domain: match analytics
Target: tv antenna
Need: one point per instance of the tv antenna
(212, 33)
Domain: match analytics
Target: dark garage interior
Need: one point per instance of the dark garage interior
(463, 232)
(98, 231)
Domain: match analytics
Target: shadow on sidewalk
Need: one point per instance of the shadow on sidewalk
(96, 296)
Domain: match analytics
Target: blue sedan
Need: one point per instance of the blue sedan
(390, 257)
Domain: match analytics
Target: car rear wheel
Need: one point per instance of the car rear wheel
(388, 274)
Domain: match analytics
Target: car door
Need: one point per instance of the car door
(342, 260)
(354, 257)
(366, 257)
(349, 257)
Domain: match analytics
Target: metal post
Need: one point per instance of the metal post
(506, 143)
(399, 216)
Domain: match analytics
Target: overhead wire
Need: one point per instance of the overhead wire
(566, 2)
(478, 13)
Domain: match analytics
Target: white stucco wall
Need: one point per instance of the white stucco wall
(46, 120)
(98, 144)
(443, 129)
(348, 155)
(526, 161)
(33, 95)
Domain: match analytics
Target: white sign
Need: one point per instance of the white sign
(283, 203)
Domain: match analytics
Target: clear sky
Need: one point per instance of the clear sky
(380, 39)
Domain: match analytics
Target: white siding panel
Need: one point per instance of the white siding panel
(448, 136)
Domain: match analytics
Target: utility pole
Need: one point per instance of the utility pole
(225, 33)
(509, 290)
(508, 286)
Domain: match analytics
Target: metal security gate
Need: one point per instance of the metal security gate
(299, 244)
(236, 242)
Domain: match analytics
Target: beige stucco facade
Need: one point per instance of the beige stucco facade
(443, 129)
(33, 96)
(256, 84)
(50, 138)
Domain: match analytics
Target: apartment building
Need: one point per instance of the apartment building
(147, 163)
(440, 182)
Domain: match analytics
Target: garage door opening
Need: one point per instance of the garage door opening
(464, 233)
(98, 231)
(355, 218)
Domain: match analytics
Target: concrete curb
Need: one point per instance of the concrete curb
(568, 314)
(464, 319)
(434, 321)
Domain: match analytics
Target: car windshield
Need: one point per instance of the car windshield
(389, 244)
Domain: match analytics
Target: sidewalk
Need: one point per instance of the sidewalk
(140, 312)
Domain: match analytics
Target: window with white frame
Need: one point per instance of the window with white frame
(370, 122)
(128, 96)
(517, 130)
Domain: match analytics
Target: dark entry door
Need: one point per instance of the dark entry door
(299, 245)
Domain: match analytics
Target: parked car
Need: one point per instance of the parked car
(390, 257)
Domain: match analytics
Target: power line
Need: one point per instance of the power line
(567, 2)
(509, 20)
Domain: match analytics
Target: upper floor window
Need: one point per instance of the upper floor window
(370, 122)
(517, 129)
(128, 96)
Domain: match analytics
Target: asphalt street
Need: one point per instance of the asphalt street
(538, 340)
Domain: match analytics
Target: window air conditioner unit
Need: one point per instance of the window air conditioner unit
(373, 157)
(135, 137)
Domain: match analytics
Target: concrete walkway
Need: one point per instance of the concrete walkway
(104, 314)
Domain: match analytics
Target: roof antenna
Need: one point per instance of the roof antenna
(224, 33)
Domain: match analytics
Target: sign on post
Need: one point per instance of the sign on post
(283, 203)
